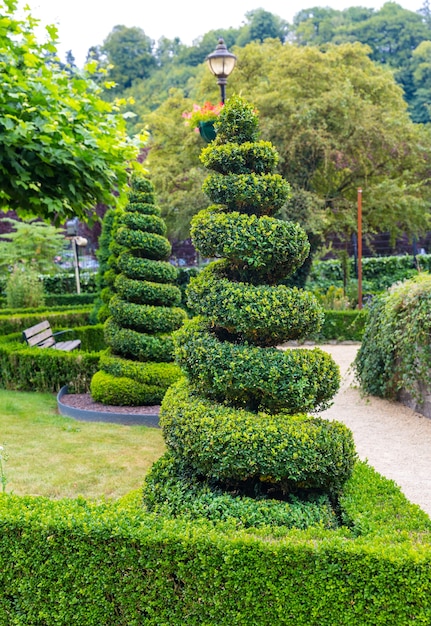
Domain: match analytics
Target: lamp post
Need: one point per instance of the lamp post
(72, 234)
(221, 63)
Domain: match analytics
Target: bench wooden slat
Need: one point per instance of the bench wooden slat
(41, 336)
(67, 345)
(35, 330)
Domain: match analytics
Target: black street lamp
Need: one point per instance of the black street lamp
(221, 63)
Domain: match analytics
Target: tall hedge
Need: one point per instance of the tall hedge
(239, 436)
(143, 306)
(395, 353)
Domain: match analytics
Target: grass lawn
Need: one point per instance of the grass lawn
(56, 456)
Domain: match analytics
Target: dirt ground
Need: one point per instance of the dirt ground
(394, 439)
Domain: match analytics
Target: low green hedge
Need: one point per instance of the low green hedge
(19, 319)
(77, 563)
(34, 369)
(346, 325)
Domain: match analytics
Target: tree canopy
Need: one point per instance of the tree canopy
(63, 148)
(338, 121)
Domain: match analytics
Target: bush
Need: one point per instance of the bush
(261, 314)
(250, 193)
(65, 318)
(223, 443)
(260, 157)
(396, 349)
(134, 345)
(96, 564)
(24, 288)
(171, 491)
(240, 375)
(123, 391)
(265, 248)
(35, 369)
(145, 318)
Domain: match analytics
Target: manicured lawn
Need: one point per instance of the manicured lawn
(56, 456)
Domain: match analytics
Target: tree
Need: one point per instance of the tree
(129, 53)
(138, 368)
(339, 121)
(262, 25)
(236, 427)
(62, 148)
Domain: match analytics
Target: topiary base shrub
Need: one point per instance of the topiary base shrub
(77, 563)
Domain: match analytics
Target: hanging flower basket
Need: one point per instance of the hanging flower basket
(202, 119)
(207, 130)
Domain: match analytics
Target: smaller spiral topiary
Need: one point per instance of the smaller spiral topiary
(143, 307)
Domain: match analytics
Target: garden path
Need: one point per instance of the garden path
(394, 439)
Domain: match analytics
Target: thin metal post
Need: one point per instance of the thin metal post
(76, 265)
(359, 248)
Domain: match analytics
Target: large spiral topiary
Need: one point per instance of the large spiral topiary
(241, 444)
(143, 307)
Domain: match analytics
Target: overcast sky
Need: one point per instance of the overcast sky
(85, 23)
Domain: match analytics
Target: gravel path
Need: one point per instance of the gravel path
(394, 439)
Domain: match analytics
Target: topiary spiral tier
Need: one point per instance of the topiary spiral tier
(241, 444)
(143, 311)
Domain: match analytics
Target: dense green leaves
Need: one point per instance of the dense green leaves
(245, 376)
(62, 148)
(233, 444)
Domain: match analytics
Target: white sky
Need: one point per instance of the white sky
(85, 23)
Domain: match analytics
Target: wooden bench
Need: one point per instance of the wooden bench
(42, 336)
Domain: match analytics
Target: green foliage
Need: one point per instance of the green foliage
(149, 223)
(64, 148)
(123, 391)
(260, 157)
(149, 244)
(265, 247)
(346, 325)
(147, 373)
(31, 243)
(145, 318)
(264, 315)
(170, 491)
(18, 320)
(35, 369)
(146, 292)
(238, 122)
(396, 349)
(378, 273)
(138, 346)
(140, 302)
(292, 381)
(241, 416)
(223, 443)
(131, 383)
(90, 561)
(251, 193)
(146, 269)
(24, 288)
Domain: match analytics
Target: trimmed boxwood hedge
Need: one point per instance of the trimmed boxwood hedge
(263, 315)
(128, 343)
(293, 380)
(78, 563)
(171, 490)
(35, 369)
(223, 443)
(262, 194)
(18, 320)
(267, 248)
(131, 383)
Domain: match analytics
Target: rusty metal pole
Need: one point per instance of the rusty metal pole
(359, 248)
